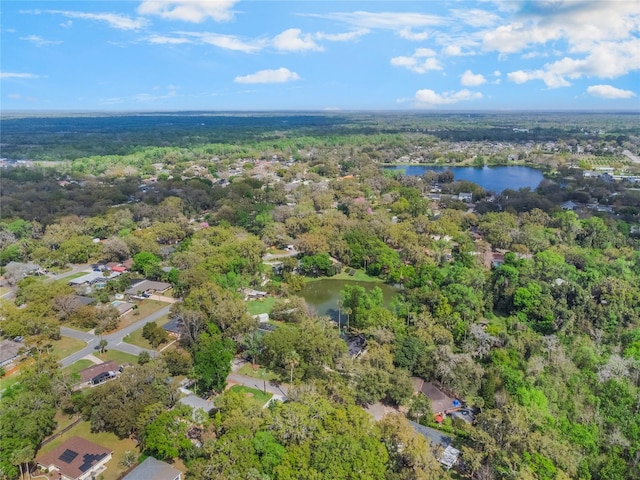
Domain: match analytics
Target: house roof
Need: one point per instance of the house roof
(148, 285)
(83, 300)
(174, 326)
(196, 402)
(155, 469)
(431, 434)
(92, 277)
(9, 349)
(122, 307)
(440, 401)
(88, 373)
(74, 457)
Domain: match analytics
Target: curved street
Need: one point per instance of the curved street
(115, 340)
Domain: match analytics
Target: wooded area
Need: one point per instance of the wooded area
(523, 306)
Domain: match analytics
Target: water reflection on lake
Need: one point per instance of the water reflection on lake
(323, 295)
(496, 179)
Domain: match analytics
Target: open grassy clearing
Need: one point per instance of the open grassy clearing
(359, 276)
(66, 346)
(257, 373)
(137, 339)
(254, 396)
(254, 307)
(8, 381)
(145, 308)
(104, 439)
(117, 356)
(77, 367)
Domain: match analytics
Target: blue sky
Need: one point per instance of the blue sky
(320, 55)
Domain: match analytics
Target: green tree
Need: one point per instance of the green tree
(212, 361)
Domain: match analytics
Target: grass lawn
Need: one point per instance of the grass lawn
(77, 367)
(104, 439)
(137, 339)
(66, 346)
(257, 373)
(65, 280)
(145, 308)
(256, 397)
(254, 307)
(6, 382)
(117, 356)
(359, 276)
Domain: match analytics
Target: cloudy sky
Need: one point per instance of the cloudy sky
(320, 55)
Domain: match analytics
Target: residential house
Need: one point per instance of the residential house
(76, 459)
(148, 287)
(450, 455)
(200, 407)
(153, 469)
(466, 197)
(9, 352)
(174, 327)
(93, 372)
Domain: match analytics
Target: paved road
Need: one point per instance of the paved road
(115, 340)
(50, 278)
(258, 384)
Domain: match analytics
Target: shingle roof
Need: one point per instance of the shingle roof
(74, 457)
(88, 373)
(153, 469)
(8, 350)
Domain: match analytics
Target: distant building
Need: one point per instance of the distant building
(466, 197)
(76, 459)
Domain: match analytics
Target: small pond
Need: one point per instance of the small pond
(323, 295)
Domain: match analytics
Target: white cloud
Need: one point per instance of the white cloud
(605, 60)
(280, 75)
(475, 17)
(429, 98)
(66, 24)
(470, 79)
(292, 40)
(497, 73)
(18, 96)
(609, 91)
(114, 20)
(453, 50)
(341, 37)
(39, 41)
(384, 20)
(421, 61)
(408, 34)
(162, 40)
(582, 23)
(229, 42)
(9, 75)
(195, 11)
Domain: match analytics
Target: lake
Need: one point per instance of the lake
(496, 179)
(323, 295)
